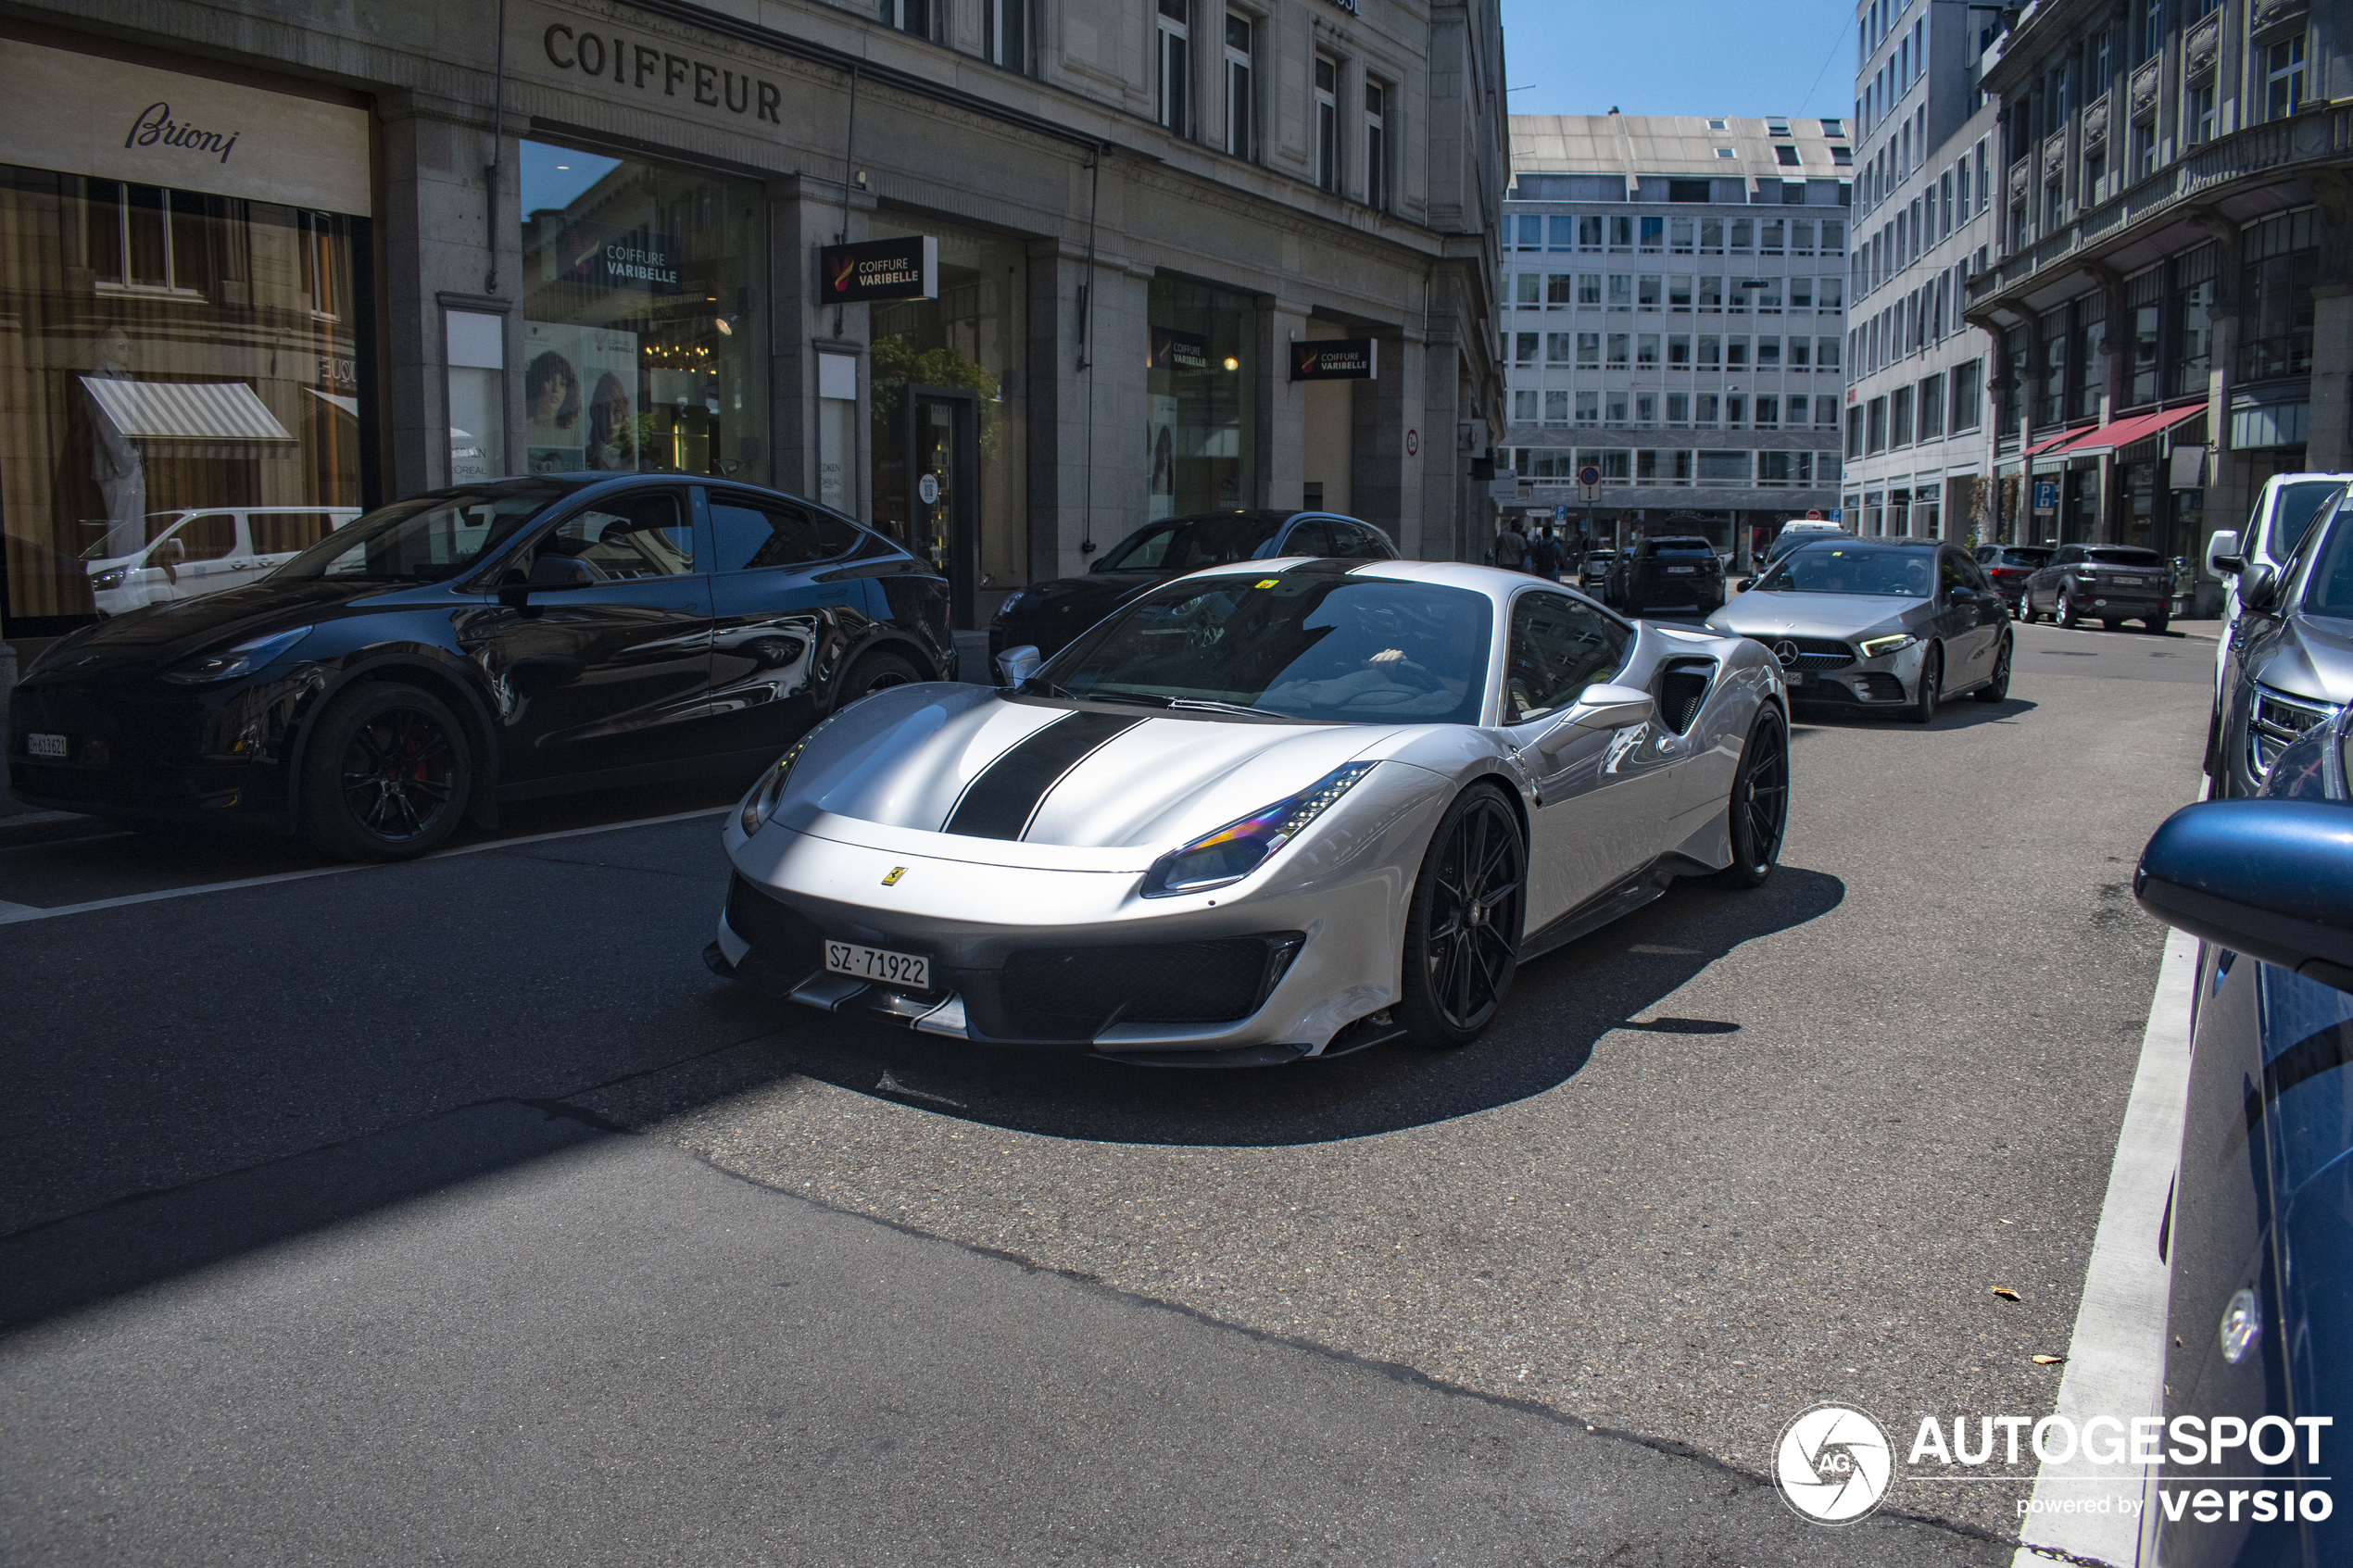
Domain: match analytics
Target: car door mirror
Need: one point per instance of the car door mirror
(171, 552)
(1744, 584)
(2272, 879)
(2224, 545)
(2258, 586)
(1960, 595)
(1015, 666)
(1604, 707)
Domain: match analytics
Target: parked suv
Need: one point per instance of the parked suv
(203, 550)
(2110, 583)
(2283, 511)
(1676, 572)
(2008, 567)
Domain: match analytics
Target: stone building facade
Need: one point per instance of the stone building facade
(310, 257)
(2170, 297)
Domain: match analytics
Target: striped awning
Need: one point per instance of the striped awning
(148, 411)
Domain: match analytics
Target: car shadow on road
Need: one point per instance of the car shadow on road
(1961, 715)
(1562, 1007)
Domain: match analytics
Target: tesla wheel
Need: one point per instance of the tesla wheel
(2064, 614)
(1759, 809)
(387, 775)
(1923, 708)
(877, 671)
(1461, 929)
(1999, 687)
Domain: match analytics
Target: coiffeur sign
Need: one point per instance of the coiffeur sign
(904, 268)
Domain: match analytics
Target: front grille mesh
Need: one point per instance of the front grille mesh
(1074, 993)
(778, 933)
(1815, 653)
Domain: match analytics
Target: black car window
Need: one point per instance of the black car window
(2123, 555)
(1985, 552)
(2299, 504)
(1308, 536)
(1188, 544)
(2069, 555)
(1681, 547)
(1559, 646)
(749, 533)
(1952, 571)
(208, 537)
(635, 534)
(1356, 542)
(431, 538)
(1888, 571)
(2328, 590)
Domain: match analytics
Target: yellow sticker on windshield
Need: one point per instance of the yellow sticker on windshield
(1269, 582)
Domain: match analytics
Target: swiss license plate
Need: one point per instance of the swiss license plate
(911, 970)
(45, 746)
(1681, 570)
(1794, 677)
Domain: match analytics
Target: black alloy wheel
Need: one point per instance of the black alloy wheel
(2065, 616)
(1923, 708)
(1758, 814)
(877, 671)
(1996, 689)
(387, 776)
(1461, 929)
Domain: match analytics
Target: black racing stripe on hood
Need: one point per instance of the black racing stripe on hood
(999, 802)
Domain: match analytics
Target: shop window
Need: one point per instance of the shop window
(165, 351)
(1202, 389)
(643, 338)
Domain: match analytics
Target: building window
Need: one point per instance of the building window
(925, 19)
(1376, 96)
(1969, 395)
(1801, 353)
(2198, 115)
(1241, 118)
(1679, 407)
(1005, 32)
(1825, 354)
(2144, 150)
(1769, 354)
(2091, 347)
(1704, 408)
(2282, 66)
(1646, 349)
(1527, 289)
(1589, 350)
(1725, 152)
(1719, 125)
(1645, 409)
(1588, 408)
(1931, 409)
(1621, 233)
(1679, 351)
(1653, 232)
(1588, 291)
(1588, 233)
(1842, 157)
(1618, 343)
(1621, 291)
(1678, 292)
(1825, 411)
(2281, 264)
(2188, 367)
(1175, 67)
(1854, 431)
(1532, 233)
(1875, 425)
(1327, 121)
(1557, 286)
(2152, 28)
(1833, 128)
(1562, 228)
(1648, 298)
(1768, 412)
(1899, 417)
(1711, 296)
(1526, 353)
(1556, 349)
(1556, 407)
(1724, 468)
(1735, 409)
(1524, 409)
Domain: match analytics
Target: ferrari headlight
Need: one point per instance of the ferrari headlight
(1239, 848)
(1880, 647)
(769, 790)
(244, 659)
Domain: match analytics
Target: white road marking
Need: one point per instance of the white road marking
(2116, 1361)
(12, 913)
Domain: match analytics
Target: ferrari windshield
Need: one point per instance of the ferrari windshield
(1302, 645)
(1188, 544)
(1886, 571)
(430, 538)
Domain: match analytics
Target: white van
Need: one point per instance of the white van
(203, 550)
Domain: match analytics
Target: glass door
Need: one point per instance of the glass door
(944, 480)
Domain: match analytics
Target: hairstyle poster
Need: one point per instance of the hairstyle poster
(580, 399)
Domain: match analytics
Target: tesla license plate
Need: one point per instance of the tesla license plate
(45, 746)
(911, 970)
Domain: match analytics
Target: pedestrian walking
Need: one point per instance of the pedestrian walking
(1511, 547)
(1544, 556)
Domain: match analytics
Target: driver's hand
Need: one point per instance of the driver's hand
(1387, 655)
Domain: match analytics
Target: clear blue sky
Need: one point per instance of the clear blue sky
(1681, 56)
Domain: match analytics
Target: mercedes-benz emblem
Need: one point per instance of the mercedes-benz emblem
(1786, 651)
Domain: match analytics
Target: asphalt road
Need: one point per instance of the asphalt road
(454, 1210)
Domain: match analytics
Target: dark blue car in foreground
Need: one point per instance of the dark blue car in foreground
(2258, 1236)
(488, 642)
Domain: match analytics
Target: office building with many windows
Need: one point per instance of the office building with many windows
(2172, 290)
(1917, 434)
(1674, 321)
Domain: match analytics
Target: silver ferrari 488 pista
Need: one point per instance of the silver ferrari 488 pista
(1260, 813)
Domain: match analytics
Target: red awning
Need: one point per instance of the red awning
(2118, 434)
(2051, 444)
